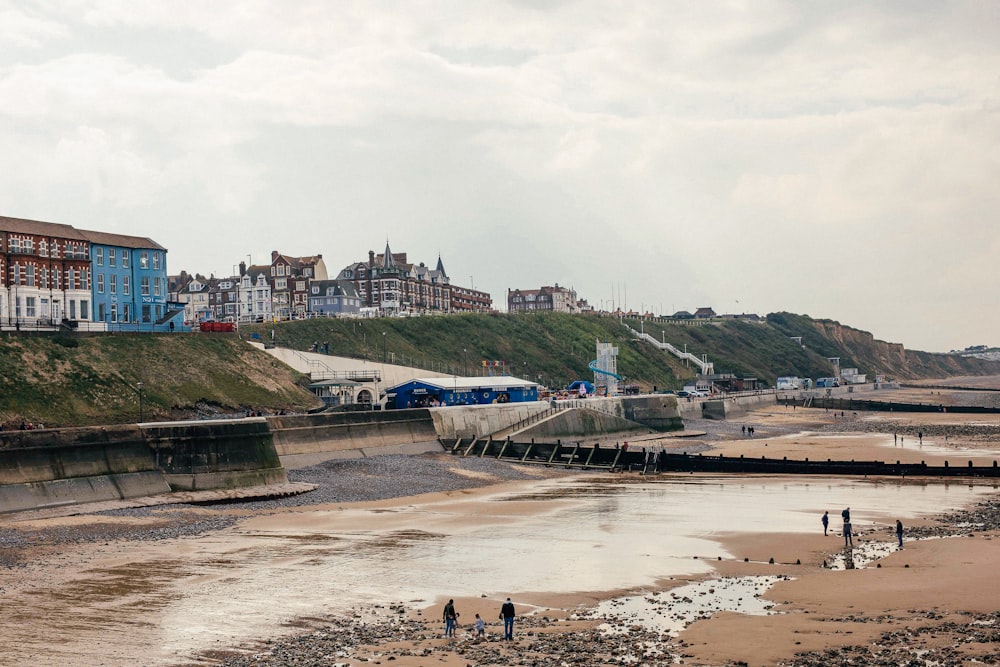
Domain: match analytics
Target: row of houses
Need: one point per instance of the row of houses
(297, 287)
(546, 299)
(54, 275)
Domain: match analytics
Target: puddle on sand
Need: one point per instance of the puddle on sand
(671, 611)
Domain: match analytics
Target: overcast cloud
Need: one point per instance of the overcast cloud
(839, 160)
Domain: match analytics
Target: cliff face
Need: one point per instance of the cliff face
(862, 350)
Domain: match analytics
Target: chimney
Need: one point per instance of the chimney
(371, 258)
(243, 268)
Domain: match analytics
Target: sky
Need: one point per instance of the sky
(834, 159)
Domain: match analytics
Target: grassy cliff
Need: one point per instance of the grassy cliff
(81, 380)
(556, 348)
(70, 380)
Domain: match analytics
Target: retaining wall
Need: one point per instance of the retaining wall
(478, 421)
(351, 434)
(52, 467)
(580, 422)
(218, 454)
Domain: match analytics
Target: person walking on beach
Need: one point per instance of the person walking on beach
(450, 619)
(507, 614)
(899, 532)
(826, 522)
(480, 627)
(848, 535)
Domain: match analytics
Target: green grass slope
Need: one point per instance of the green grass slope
(556, 348)
(74, 381)
(79, 380)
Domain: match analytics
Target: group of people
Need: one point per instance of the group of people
(849, 531)
(507, 615)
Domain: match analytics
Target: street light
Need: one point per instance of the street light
(385, 349)
(466, 351)
(138, 386)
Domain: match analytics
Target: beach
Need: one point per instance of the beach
(748, 578)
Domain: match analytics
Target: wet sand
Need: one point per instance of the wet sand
(116, 601)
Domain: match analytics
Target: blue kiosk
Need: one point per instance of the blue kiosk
(444, 391)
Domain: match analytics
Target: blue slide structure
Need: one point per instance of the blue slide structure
(593, 366)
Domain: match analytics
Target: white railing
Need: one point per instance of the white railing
(707, 367)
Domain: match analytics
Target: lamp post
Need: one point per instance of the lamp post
(385, 349)
(138, 386)
(663, 335)
(466, 351)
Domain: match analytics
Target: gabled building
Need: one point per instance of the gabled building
(547, 298)
(704, 313)
(333, 297)
(289, 279)
(192, 294)
(254, 303)
(223, 298)
(393, 285)
(45, 274)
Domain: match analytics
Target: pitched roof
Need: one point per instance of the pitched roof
(121, 240)
(22, 226)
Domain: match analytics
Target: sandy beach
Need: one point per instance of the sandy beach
(781, 597)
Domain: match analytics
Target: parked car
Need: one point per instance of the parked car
(691, 393)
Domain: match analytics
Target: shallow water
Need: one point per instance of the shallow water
(169, 603)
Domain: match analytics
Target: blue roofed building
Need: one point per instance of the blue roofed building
(444, 391)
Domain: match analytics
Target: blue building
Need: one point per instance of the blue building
(334, 297)
(129, 284)
(444, 391)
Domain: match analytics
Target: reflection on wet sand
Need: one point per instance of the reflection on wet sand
(174, 601)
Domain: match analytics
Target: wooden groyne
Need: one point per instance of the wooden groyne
(615, 458)
(855, 404)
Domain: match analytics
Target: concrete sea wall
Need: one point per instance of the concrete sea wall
(352, 434)
(51, 467)
(55, 467)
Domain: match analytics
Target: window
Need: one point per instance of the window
(101, 313)
(114, 284)
(156, 287)
(29, 306)
(145, 285)
(144, 259)
(15, 245)
(29, 272)
(126, 284)
(43, 249)
(280, 283)
(111, 257)
(156, 261)
(99, 254)
(100, 283)
(84, 309)
(125, 255)
(127, 312)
